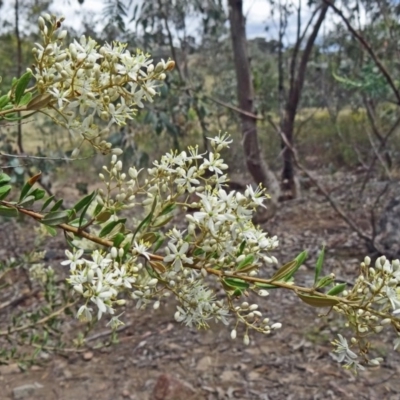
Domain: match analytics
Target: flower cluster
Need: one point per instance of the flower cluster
(219, 236)
(372, 304)
(88, 83)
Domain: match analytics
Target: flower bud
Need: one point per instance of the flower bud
(41, 23)
(277, 325)
(114, 252)
(233, 334)
(246, 339)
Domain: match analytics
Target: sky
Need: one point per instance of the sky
(257, 12)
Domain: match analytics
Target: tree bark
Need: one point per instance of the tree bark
(245, 91)
(288, 184)
(19, 70)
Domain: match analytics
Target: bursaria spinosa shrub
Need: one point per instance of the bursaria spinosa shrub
(113, 257)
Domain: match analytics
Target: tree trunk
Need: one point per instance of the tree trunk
(19, 70)
(254, 161)
(288, 184)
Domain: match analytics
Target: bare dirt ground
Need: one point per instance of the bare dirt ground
(294, 363)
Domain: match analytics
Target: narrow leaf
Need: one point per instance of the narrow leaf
(317, 301)
(285, 271)
(54, 218)
(4, 191)
(118, 239)
(39, 102)
(84, 202)
(4, 178)
(247, 261)
(21, 86)
(337, 289)
(47, 202)
(109, 227)
(4, 100)
(8, 212)
(57, 205)
(318, 266)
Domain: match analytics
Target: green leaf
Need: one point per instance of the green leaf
(286, 271)
(50, 230)
(199, 251)
(318, 266)
(323, 282)
(158, 243)
(84, 202)
(241, 248)
(167, 209)
(4, 100)
(247, 261)
(109, 227)
(103, 217)
(78, 222)
(4, 191)
(317, 301)
(301, 258)
(25, 190)
(237, 285)
(47, 202)
(39, 102)
(57, 205)
(54, 218)
(266, 285)
(27, 201)
(337, 289)
(38, 194)
(21, 86)
(26, 98)
(162, 222)
(146, 221)
(149, 237)
(4, 179)
(118, 239)
(8, 212)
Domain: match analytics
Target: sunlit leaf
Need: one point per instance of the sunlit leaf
(21, 86)
(318, 266)
(54, 218)
(317, 301)
(337, 289)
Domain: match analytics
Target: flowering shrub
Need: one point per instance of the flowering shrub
(216, 248)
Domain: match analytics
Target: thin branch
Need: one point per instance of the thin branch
(352, 224)
(368, 48)
(233, 108)
(39, 322)
(29, 157)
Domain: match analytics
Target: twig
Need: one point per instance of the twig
(107, 332)
(330, 199)
(368, 48)
(39, 322)
(29, 157)
(231, 107)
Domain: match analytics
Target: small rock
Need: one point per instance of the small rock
(67, 374)
(88, 355)
(204, 363)
(26, 391)
(9, 369)
(169, 388)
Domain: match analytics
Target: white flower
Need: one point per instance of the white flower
(178, 257)
(73, 259)
(141, 249)
(343, 351)
(84, 313)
